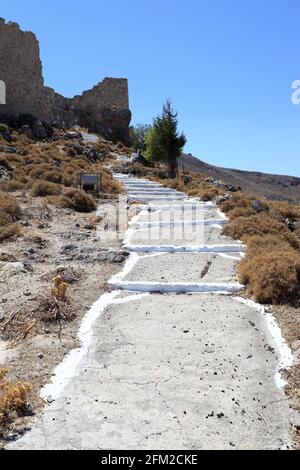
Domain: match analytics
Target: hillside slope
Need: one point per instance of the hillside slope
(279, 187)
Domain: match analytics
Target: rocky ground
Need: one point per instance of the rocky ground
(53, 242)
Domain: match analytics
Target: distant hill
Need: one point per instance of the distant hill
(278, 187)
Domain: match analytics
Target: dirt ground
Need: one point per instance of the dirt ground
(53, 242)
(288, 319)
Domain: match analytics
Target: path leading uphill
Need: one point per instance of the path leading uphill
(171, 359)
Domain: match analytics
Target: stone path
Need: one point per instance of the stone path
(173, 359)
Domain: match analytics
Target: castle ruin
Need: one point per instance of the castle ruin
(104, 109)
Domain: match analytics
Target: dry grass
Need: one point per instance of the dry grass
(285, 210)
(272, 277)
(108, 184)
(9, 231)
(50, 170)
(205, 192)
(242, 201)
(271, 269)
(13, 396)
(45, 188)
(12, 186)
(258, 245)
(78, 200)
(9, 209)
(261, 224)
(10, 213)
(240, 212)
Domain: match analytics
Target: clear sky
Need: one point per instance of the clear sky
(227, 65)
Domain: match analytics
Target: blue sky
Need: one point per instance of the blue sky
(227, 65)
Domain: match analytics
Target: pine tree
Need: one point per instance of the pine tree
(164, 143)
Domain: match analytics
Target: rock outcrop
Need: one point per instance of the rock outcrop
(104, 109)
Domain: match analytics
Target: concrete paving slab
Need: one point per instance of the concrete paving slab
(184, 214)
(171, 372)
(190, 235)
(190, 267)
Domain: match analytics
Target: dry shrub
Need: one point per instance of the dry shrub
(9, 209)
(272, 277)
(13, 158)
(9, 231)
(78, 200)
(240, 212)
(57, 306)
(45, 188)
(286, 210)
(38, 171)
(4, 162)
(240, 200)
(59, 289)
(108, 183)
(68, 179)
(195, 187)
(20, 139)
(80, 164)
(12, 185)
(20, 175)
(205, 193)
(260, 224)
(257, 245)
(121, 147)
(13, 396)
(171, 183)
(54, 176)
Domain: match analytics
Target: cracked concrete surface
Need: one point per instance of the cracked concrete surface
(207, 267)
(172, 371)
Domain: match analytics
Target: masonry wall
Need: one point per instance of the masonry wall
(20, 68)
(104, 109)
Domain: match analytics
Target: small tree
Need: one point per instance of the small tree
(138, 136)
(163, 141)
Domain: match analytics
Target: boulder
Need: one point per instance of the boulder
(11, 269)
(137, 158)
(222, 198)
(4, 175)
(92, 154)
(27, 124)
(39, 131)
(186, 179)
(10, 149)
(26, 130)
(234, 189)
(257, 206)
(72, 135)
(291, 225)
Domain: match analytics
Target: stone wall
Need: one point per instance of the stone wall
(104, 109)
